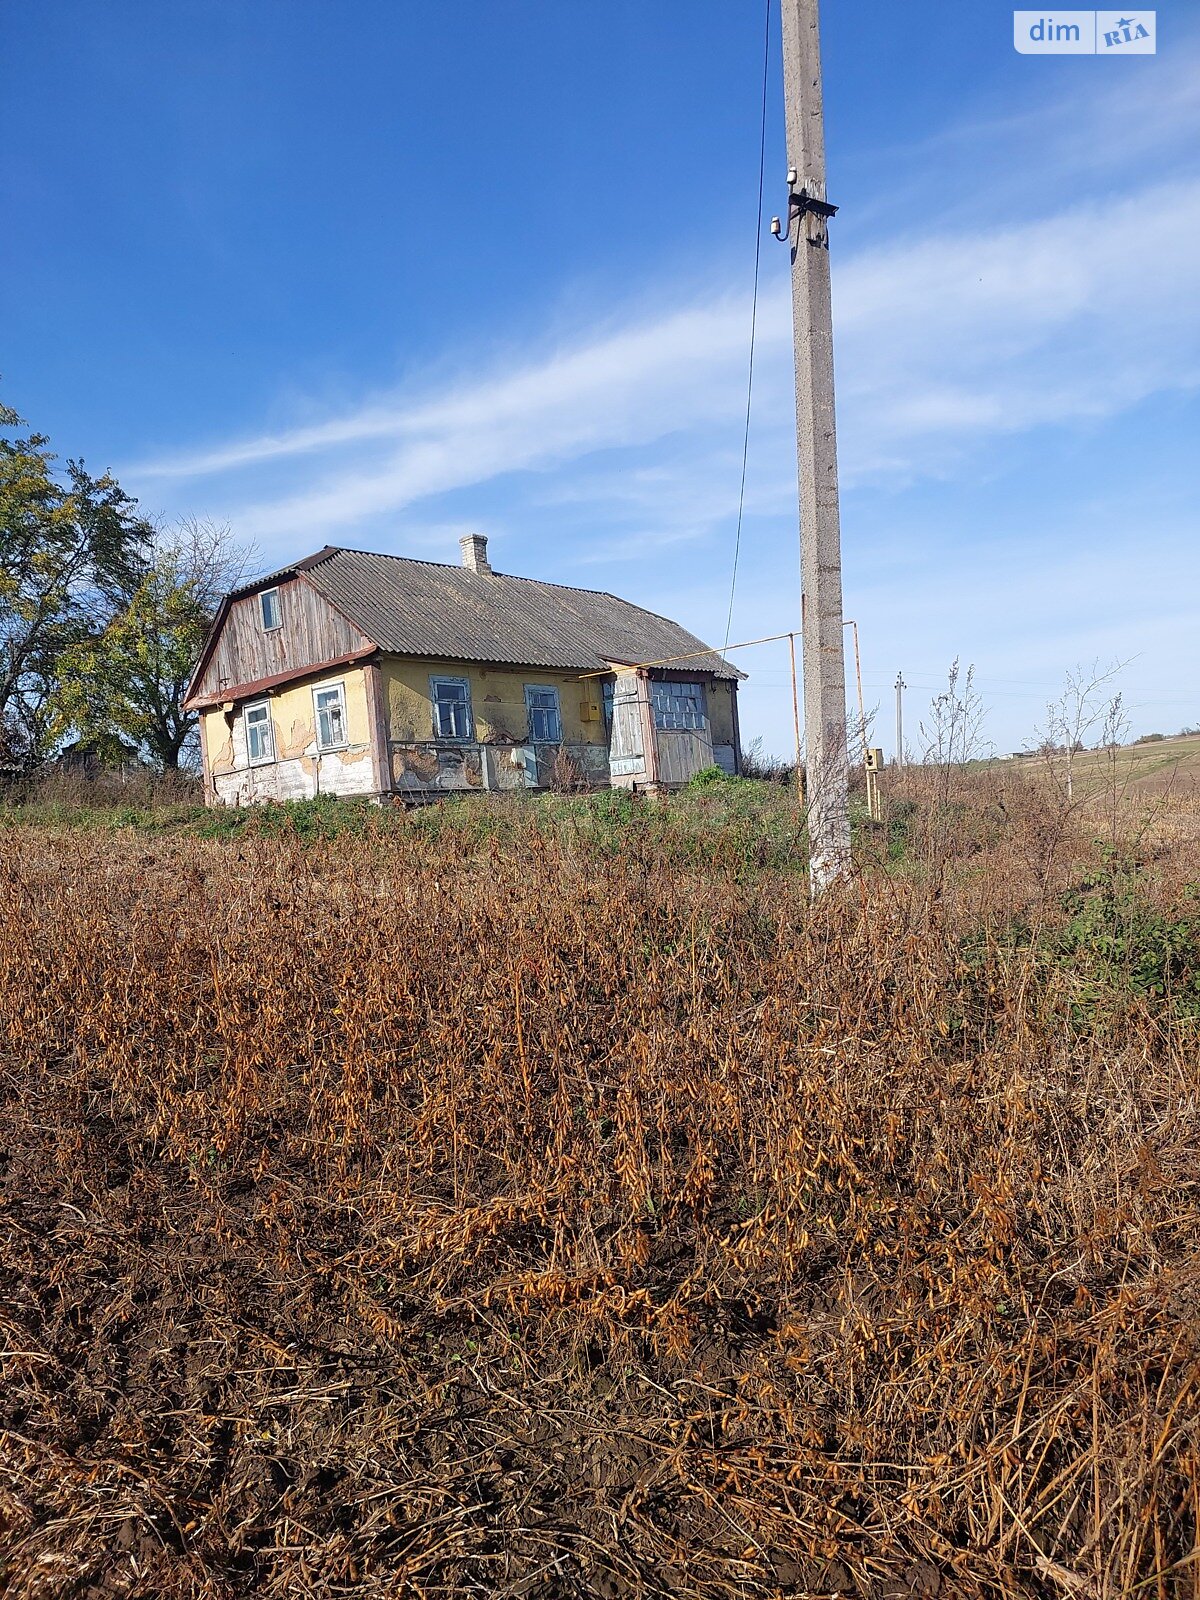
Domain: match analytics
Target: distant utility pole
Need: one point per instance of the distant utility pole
(816, 442)
(900, 688)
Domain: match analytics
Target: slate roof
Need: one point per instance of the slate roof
(428, 608)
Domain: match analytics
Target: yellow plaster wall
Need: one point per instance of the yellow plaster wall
(218, 741)
(294, 720)
(497, 700)
(497, 703)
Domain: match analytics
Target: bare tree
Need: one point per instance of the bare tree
(1083, 707)
(953, 734)
(212, 559)
(1117, 779)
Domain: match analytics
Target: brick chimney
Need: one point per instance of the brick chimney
(474, 552)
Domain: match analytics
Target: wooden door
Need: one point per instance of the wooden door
(627, 745)
(682, 753)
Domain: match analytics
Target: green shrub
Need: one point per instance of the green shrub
(710, 777)
(1116, 943)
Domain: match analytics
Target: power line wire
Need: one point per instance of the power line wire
(762, 157)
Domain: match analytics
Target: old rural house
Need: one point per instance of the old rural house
(356, 674)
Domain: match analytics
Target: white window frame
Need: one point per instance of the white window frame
(435, 705)
(270, 627)
(678, 720)
(556, 712)
(259, 760)
(340, 690)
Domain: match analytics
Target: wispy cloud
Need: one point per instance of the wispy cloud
(972, 344)
(942, 343)
(950, 337)
(570, 399)
(1088, 137)
(960, 336)
(676, 374)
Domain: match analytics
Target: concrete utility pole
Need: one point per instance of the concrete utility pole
(900, 688)
(816, 441)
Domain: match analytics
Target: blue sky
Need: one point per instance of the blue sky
(377, 274)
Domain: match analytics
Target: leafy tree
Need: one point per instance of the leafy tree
(130, 680)
(71, 548)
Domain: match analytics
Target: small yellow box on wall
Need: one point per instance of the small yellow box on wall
(589, 711)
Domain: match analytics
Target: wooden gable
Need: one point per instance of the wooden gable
(241, 654)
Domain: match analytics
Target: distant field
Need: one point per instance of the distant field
(543, 1200)
(1169, 764)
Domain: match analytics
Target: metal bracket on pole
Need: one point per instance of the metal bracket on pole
(800, 204)
(803, 201)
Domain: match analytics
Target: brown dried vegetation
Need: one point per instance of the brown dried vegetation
(443, 1212)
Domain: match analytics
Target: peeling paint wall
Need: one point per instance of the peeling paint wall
(497, 701)
(499, 756)
(300, 770)
(428, 768)
(439, 768)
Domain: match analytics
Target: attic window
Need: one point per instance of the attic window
(269, 600)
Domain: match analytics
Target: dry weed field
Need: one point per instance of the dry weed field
(548, 1201)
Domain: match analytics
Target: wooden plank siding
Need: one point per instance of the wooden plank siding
(378, 720)
(627, 744)
(311, 633)
(682, 753)
(649, 729)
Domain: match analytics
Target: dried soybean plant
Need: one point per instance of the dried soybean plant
(483, 1210)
